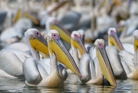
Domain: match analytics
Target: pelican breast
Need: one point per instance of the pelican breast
(128, 58)
(114, 59)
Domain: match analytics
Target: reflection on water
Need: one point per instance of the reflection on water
(18, 86)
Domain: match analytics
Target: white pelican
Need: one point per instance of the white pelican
(124, 51)
(102, 65)
(85, 62)
(104, 62)
(39, 76)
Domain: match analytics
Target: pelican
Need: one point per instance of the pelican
(39, 76)
(124, 52)
(104, 62)
(85, 63)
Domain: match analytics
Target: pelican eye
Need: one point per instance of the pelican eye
(55, 21)
(100, 45)
(55, 36)
(112, 32)
(76, 36)
(37, 34)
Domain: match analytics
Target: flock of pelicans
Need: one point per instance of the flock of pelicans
(45, 61)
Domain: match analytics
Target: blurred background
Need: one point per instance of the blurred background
(94, 17)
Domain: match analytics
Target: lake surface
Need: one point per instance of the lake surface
(8, 85)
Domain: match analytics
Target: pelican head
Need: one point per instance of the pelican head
(36, 40)
(63, 56)
(135, 35)
(99, 43)
(104, 61)
(76, 42)
(52, 23)
(113, 39)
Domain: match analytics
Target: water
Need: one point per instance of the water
(8, 85)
